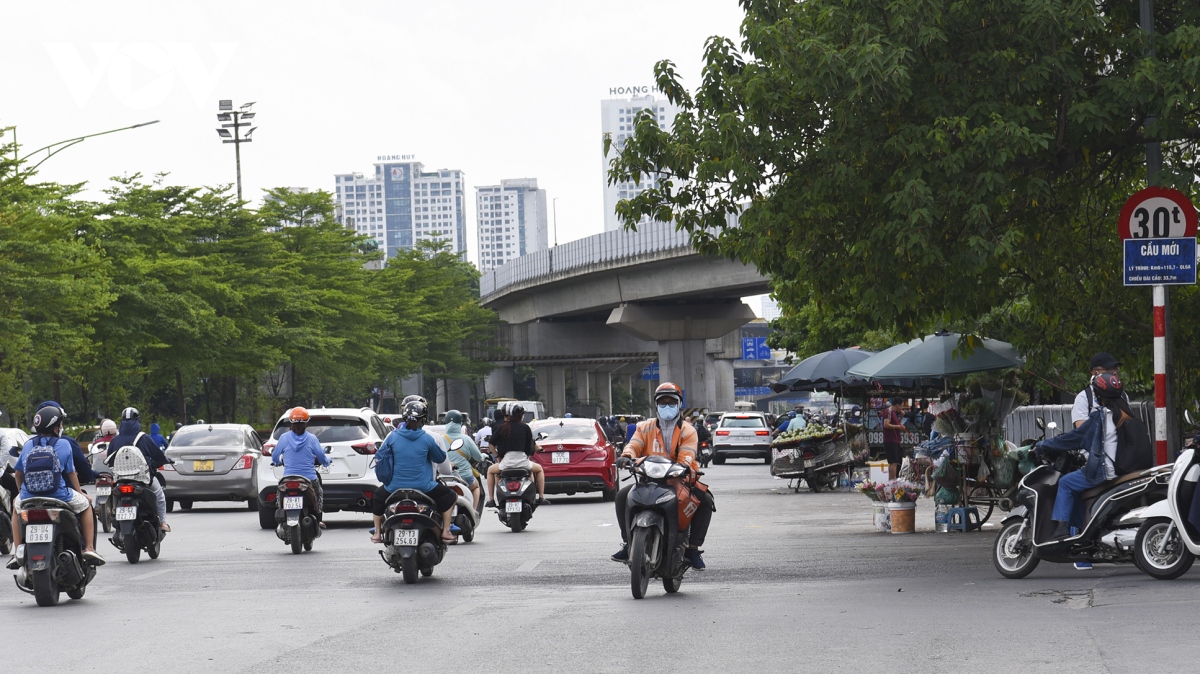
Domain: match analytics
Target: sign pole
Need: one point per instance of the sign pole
(1160, 374)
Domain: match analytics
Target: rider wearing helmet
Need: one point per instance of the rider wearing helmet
(83, 469)
(466, 457)
(298, 452)
(48, 424)
(1098, 435)
(130, 433)
(412, 453)
(108, 431)
(513, 441)
(666, 435)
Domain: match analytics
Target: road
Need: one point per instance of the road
(796, 583)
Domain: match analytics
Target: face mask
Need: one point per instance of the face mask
(668, 412)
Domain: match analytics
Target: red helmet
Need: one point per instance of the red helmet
(668, 389)
(298, 415)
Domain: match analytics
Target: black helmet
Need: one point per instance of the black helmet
(517, 411)
(129, 413)
(413, 398)
(454, 417)
(48, 418)
(1107, 386)
(415, 410)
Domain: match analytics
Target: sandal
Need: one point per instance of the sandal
(376, 539)
(449, 538)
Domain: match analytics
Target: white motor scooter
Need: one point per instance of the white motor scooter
(466, 517)
(1167, 543)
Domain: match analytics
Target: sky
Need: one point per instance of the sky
(498, 89)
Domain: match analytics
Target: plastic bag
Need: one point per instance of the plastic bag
(946, 496)
(946, 474)
(1006, 472)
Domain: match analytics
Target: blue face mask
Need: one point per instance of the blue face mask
(668, 412)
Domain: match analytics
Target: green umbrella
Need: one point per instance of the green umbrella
(935, 356)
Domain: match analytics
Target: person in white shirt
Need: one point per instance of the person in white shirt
(1085, 401)
(483, 434)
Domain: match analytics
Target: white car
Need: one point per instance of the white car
(9, 438)
(351, 437)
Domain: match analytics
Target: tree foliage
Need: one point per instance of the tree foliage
(904, 165)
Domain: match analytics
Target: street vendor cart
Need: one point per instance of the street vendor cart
(817, 454)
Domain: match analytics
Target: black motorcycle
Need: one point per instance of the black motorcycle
(136, 523)
(6, 533)
(1111, 522)
(104, 505)
(704, 453)
(53, 559)
(296, 513)
(658, 527)
(412, 534)
(516, 498)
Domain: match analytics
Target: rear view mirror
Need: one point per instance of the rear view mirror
(1051, 426)
(1187, 416)
(1041, 423)
(457, 444)
(14, 451)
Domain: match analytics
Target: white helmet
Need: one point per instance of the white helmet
(108, 427)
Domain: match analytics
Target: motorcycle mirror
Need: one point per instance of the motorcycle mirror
(1187, 415)
(328, 450)
(14, 451)
(457, 444)
(1051, 426)
(1041, 423)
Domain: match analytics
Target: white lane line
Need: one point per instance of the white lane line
(529, 566)
(152, 574)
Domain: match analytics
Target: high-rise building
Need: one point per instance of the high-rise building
(402, 204)
(770, 309)
(512, 220)
(617, 119)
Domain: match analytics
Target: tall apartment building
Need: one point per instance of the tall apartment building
(401, 204)
(617, 119)
(512, 221)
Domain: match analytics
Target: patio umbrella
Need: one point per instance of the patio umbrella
(828, 368)
(934, 356)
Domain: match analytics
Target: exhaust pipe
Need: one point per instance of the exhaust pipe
(361, 503)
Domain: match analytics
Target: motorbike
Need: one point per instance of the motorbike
(135, 510)
(105, 503)
(412, 534)
(6, 534)
(1114, 511)
(516, 498)
(296, 513)
(659, 524)
(1167, 542)
(704, 453)
(466, 518)
(52, 554)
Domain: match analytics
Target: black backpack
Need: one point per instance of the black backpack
(1134, 450)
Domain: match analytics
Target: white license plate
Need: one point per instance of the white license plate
(293, 502)
(561, 457)
(39, 533)
(127, 513)
(322, 470)
(103, 491)
(513, 507)
(406, 537)
(808, 463)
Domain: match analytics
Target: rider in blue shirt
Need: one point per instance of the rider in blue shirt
(413, 453)
(298, 451)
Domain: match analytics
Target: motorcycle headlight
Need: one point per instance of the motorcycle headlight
(655, 470)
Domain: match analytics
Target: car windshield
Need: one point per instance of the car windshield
(573, 433)
(86, 436)
(742, 422)
(330, 429)
(208, 437)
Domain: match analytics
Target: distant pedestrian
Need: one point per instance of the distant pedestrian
(893, 427)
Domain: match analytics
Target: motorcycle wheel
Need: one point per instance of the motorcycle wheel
(308, 546)
(155, 549)
(468, 530)
(1168, 564)
(45, 588)
(408, 568)
(266, 518)
(1013, 566)
(106, 516)
(516, 524)
(639, 563)
(5, 548)
(814, 483)
(132, 552)
(77, 592)
(296, 540)
(671, 585)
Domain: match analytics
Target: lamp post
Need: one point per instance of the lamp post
(235, 119)
(54, 148)
(554, 205)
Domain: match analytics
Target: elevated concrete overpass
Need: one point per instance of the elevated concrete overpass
(603, 307)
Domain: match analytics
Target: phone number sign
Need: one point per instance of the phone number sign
(1158, 229)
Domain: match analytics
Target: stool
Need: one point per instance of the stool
(963, 519)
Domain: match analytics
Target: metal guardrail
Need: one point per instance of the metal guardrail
(616, 248)
(1021, 423)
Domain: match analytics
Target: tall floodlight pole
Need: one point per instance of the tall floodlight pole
(236, 120)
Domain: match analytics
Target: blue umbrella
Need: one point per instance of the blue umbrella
(938, 355)
(828, 368)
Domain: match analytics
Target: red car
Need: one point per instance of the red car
(576, 457)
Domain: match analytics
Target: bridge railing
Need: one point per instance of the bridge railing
(650, 240)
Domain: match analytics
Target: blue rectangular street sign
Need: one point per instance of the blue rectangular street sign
(764, 351)
(1160, 262)
(650, 372)
(755, 348)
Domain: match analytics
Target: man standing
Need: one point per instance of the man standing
(892, 428)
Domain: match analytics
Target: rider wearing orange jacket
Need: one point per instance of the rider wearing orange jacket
(666, 435)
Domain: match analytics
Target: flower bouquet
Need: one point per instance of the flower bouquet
(895, 491)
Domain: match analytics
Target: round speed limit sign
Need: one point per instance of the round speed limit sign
(1158, 213)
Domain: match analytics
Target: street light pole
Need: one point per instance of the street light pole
(66, 143)
(554, 204)
(235, 120)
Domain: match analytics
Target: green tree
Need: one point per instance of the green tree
(899, 166)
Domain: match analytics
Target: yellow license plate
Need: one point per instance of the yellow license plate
(202, 466)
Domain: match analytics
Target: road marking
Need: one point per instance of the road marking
(152, 574)
(529, 566)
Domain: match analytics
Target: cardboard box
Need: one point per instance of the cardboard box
(878, 471)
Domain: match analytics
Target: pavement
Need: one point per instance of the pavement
(797, 582)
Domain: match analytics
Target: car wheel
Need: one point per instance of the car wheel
(266, 518)
(719, 460)
(252, 503)
(186, 505)
(170, 505)
(610, 495)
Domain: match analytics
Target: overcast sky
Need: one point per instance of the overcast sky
(499, 89)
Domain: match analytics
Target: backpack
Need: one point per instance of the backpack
(385, 464)
(129, 463)
(43, 470)
(1134, 451)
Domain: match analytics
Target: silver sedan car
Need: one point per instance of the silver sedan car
(213, 462)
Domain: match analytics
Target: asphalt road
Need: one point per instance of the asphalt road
(796, 583)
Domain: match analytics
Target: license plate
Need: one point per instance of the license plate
(513, 507)
(808, 463)
(39, 533)
(127, 513)
(103, 491)
(293, 502)
(561, 457)
(323, 470)
(202, 466)
(406, 537)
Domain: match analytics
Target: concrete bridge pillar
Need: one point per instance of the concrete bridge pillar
(552, 387)
(500, 382)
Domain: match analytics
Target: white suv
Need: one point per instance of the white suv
(351, 437)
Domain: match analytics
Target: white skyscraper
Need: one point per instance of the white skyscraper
(402, 204)
(617, 119)
(770, 308)
(512, 221)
